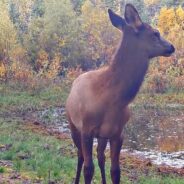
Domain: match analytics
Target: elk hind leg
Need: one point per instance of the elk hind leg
(76, 136)
(87, 150)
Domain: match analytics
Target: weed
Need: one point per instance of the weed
(2, 169)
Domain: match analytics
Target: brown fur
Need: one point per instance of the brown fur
(97, 105)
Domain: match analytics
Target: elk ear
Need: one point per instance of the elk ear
(116, 20)
(132, 16)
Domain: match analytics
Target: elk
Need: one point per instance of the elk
(97, 106)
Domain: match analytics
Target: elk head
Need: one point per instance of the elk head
(135, 32)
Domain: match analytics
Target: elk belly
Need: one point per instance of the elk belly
(113, 123)
(108, 130)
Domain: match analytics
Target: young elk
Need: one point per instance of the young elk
(97, 105)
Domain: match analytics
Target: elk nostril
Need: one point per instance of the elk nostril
(172, 48)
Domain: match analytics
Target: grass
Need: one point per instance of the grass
(160, 180)
(16, 100)
(2, 169)
(36, 155)
(42, 157)
(13, 99)
(159, 100)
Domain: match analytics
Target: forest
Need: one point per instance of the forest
(44, 46)
(39, 39)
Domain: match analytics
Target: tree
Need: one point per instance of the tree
(77, 4)
(171, 26)
(172, 3)
(20, 13)
(55, 30)
(140, 6)
(98, 34)
(8, 39)
(38, 9)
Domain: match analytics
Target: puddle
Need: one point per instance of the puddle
(174, 159)
(155, 129)
(54, 118)
(154, 133)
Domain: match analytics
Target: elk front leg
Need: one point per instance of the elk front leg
(115, 148)
(102, 143)
(87, 149)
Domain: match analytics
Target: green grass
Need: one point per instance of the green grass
(158, 99)
(36, 155)
(2, 169)
(22, 100)
(161, 180)
(16, 100)
(43, 154)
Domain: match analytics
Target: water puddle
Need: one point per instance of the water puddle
(174, 159)
(153, 133)
(54, 119)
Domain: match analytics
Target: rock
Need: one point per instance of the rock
(36, 123)
(46, 146)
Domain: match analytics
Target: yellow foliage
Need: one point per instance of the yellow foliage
(21, 71)
(7, 31)
(100, 34)
(42, 61)
(166, 20)
(18, 54)
(73, 73)
(180, 16)
(170, 70)
(8, 39)
(23, 75)
(62, 42)
(150, 2)
(54, 67)
(19, 67)
(2, 71)
(171, 24)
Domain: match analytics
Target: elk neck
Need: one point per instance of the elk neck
(127, 69)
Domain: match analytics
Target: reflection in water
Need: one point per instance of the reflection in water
(152, 128)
